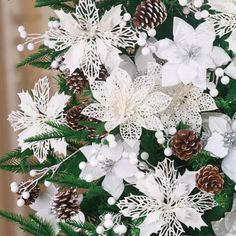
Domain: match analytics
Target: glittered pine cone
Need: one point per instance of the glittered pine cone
(32, 189)
(185, 143)
(66, 203)
(209, 179)
(149, 14)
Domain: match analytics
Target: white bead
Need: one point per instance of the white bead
(159, 134)
(13, 184)
(54, 64)
(108, 224)
(26, 195)
(204, 14)
(139, 175)
(161, 140)
(23, 34)
(125, 154)
(47, 183)
(225, 80)
(211, 85)
(122, 229)
(127, 16)
(198, 3)
(143, 35)
(144, 156)
(20, 47)
(82, 165)
(20, 202)
(30, 46)
(172, 131)
(146, 51)
(112, 144)
(186, 10)
(21, 29)
(110, 138)
(214, 93)
(219, 72)
(198, 15)
(152, 32)
(108, 216)
(111, 201)
(183, 2)
(168, 152)
(88, 178)
(55, 24)
(141, 42)
(14, 189)
(32, 173)
(100, 229)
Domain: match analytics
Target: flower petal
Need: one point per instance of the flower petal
(219, 56)
(169, 75)
(94, 110)
(229, 165)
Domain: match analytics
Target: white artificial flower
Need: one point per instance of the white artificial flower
(34, 112)
(43, 208)
(230, 70)
(190, 54)
(222, 140)
(112, 162)
(226, 6)
(227, 225)
(166, 202)
(91, 41)
(128, 104)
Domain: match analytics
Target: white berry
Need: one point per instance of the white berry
(183, 2)
(108, 216)
(172, 131)
(110, 138)
(225, 80)
(30, 46)
(14, 187)
(21, 28)
(214, 92)
(26, 195)
(152, 32)
(23, 34)
(204, 14)
(198, 3)
(20, 47)
(82, 165)
(159, 134)
(186, 10)
(108, 224)
(127, 16)
(219, 72)
(111, 201)
(168, 152)
(198, 15)
(20, 202)
(54, 64)
(141, 42)
(144, 156)
(32, 173)
(161, 140)
(122, 229)
(100, 229)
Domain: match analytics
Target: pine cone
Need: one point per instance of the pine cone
(66, 203)
(149, 14)
(185, 143)
(27, 186)
(209, 179)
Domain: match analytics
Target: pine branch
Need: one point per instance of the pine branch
(67, 230)
(55, 4)
(33, 225)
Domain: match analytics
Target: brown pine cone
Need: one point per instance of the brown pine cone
(32, 190)
(149, 14)
(209, 179)
(66, 203)
(185, 144)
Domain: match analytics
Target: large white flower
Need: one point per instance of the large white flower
(167, 202)
(222, 140)
(190, 54)
(44, 209)
(34, 112)
(113, 163)
(91, 41)
(130, 104)
(227, 225)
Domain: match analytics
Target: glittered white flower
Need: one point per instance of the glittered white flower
(128, 104)
(43, 208)
(227, 225)
(114, 163)
(35, 110)
(167, 202)
(222, 140)
(190, 54)
(91, 41)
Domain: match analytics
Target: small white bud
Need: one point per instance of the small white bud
(204, 14)
(122, 229)
(20, 202)
(20, 47)
(225, 80)
(23, 34)
(172, 131)
(108, 224)
(108, 216)
(198, 3)
(110, 138)
(14, 187)
(26, 195)
(141, 42)
(54, 64)
(159, 135)
(183, 2)
(30, 46)
(111, 201)
(152, 32)
(168, 152)
(100, 230)
(32, 173)
(144, 156)
(214, 93)
(186, 10)
(198, 15)
(21, 29)
(161, 140)
(219, 72)
(127, 16)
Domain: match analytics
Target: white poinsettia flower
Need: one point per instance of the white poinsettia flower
(222, 140)
(35, 110)
(91, 41)
(113, 163)
(167, 202)
(226, 6)
(44, 209)
(128, 104)
(190, 54)
(227, 225)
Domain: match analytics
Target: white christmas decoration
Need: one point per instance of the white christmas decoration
(227, 225)
(128, 104)
(230, 70)
(91, 41)
(34, 112)
(43, 208)
(190, 54)
(167, 202)
(222, 140)
(114, 166)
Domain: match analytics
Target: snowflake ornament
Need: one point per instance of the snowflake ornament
(117, 164)
(90, 41)
(167, 202)
(190, 54)
(221, 140)
(34, 112)
(128, 104)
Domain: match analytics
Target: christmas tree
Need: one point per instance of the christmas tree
(140, 138)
